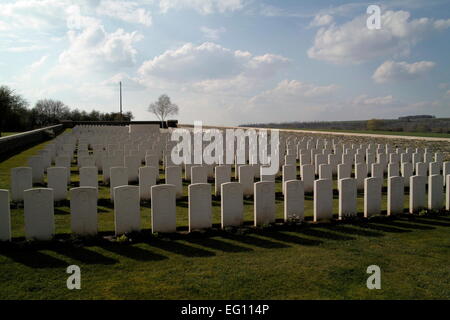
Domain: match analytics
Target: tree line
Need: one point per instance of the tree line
(16, 115)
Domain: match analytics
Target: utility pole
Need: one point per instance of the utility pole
(120, 89)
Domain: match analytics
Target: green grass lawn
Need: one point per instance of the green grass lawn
(392, 133)
(310, 261)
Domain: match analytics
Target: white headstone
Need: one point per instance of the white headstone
(308, 177)
(393, 169)
(147, 179)
(132, 163)
(396, 195)
(127, 214)
(407, 171)
(174, 177)
(152, 160)
(89, 177)
(57, 180)
(200, 207)
(325, 172)
(83, 210)
(417, 193)
(222, 175)
(36, 163)
(323, 199)
(164, 208)
(39, 214)
(428, 157)
(360, 175)
(86, 161)
(64, 161)
(119, 177)
(294, 199)
(232, 204)
(199, 174)
(5, 216)
(344, 171)
(377, 170)
(435, 192)
(264, 204)
(372, 196)
(347, 197)
(246, 178)
(266, 177)
(290, 160)
(434, 168)
(319, 160)
(289, 173)
(422, 169)
(21, 179)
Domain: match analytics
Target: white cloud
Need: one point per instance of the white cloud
(128, 82)
(353, 42)
(291, 100)
(127, 11)
(38, 64)
(321, 20)
(30, 71)
(442, 24)
(212, 34)
(202, 6)
(397, 71)
(76, 20)
(365, 100)
(289, 89)
(271, 11)
(210, 61)
(32, 14)
(94, 49)
(26, 48)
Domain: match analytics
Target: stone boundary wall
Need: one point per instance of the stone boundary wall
(164, 124)
(15, 143)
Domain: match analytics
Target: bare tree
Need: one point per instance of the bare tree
(163, 107)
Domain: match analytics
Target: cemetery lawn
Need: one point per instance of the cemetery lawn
(312, 261)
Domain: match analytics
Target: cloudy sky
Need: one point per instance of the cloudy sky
(231, 61)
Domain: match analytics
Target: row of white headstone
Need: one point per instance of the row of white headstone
(21, 177)
(39, 204)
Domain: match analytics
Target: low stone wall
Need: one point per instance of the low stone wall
(13, 144)
(164, 124)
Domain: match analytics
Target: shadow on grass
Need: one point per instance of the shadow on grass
(132, 252)
(404, 224)
(205, 243)
(431, 221)
(316, 232)
(382, 228)
(351, 230)
(179, 248)
(295, 239)
(30, 257)
(83, 255)
(250, 239)
(219, 245)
